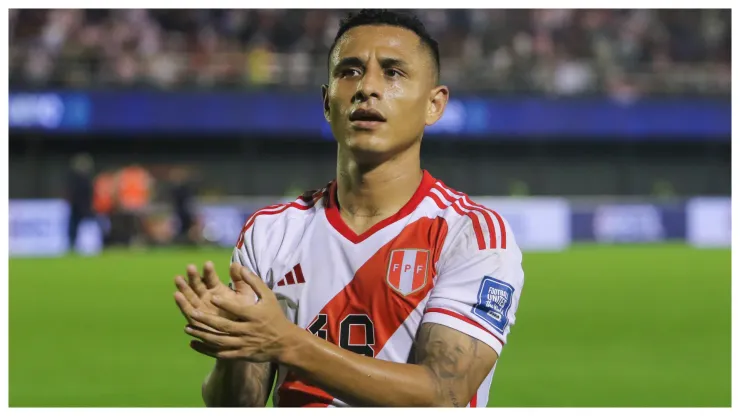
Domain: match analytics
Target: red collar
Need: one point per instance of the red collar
(335, 218)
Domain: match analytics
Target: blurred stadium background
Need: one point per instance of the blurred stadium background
(603, 136)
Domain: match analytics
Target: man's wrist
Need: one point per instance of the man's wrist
(295, 339)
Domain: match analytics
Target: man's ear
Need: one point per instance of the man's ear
(325, 99)
(438, 98)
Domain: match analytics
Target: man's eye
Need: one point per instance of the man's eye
(350, 72)
(392, 73)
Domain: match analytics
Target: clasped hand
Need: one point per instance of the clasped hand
(244, 323)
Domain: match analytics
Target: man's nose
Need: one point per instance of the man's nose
(371, 84)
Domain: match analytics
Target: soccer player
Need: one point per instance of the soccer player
(383, 288)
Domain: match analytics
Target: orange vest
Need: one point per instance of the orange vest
(103, 193)
(133, 188)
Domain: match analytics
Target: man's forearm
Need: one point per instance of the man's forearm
(234, 383)
(359, 380)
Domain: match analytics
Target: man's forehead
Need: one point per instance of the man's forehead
(391, 41)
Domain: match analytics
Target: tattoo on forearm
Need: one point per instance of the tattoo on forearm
(256, 384)
(449, 356)
(246, 385)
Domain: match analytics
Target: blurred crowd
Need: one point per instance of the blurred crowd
(559, 52)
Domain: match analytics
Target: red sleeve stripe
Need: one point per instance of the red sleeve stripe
(450, 199)
(486, 210)
(464, 319)
(437, 201)
(272, 210)
(469, 209)
(502, 227)
(457, 206)
(476, 224)
(268, 210)
(276, 209)
(489, 222)
(499, 221)
(280, 208)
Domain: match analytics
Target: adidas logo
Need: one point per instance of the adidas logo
(293, 277)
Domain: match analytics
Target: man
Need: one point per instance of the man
(104, 202)
(182, 195)
(79, 195)
(133, 195)
(386, 287)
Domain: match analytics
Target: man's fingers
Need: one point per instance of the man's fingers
(215, 352)
(258, 286)
(195, 281)
(235, 271)
(185, 297)
(186, 290)
(186, 307)
(218, 323)
(209, 276)
(204, 348)
(233, 354)
(215, 339)
(232, 305)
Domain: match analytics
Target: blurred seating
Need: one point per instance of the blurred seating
(554, 52)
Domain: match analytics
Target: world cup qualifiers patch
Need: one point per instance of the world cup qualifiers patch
(494, 301)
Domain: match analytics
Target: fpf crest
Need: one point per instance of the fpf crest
(408, 270)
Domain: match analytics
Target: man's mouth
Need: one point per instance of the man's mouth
(367, 114)
(366, 119)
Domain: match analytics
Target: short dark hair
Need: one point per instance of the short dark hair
(381, 17)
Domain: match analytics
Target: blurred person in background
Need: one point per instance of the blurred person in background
(377, 332)
(182, 196)
(79, 195)
(134, 190)
(104, 201)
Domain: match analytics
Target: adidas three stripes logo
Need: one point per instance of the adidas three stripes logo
(293, 277)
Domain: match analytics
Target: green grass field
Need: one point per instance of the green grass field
(597, 326)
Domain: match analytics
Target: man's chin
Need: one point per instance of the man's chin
(369, 149)
(372, 148)
(370, 156)
(368, 142)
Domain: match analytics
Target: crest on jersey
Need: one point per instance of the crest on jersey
(408, 270)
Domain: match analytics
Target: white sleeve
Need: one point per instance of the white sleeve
(477, 291)
(244, 253)
(245, 250)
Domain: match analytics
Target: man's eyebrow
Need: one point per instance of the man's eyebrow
(393, 62)
(350, 61)
(384, 62)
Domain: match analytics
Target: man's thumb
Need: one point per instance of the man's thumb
(236, 277)
(255, 282)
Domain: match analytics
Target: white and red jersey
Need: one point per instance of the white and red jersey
(442, 258)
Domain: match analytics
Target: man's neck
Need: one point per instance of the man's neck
(370, 194)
